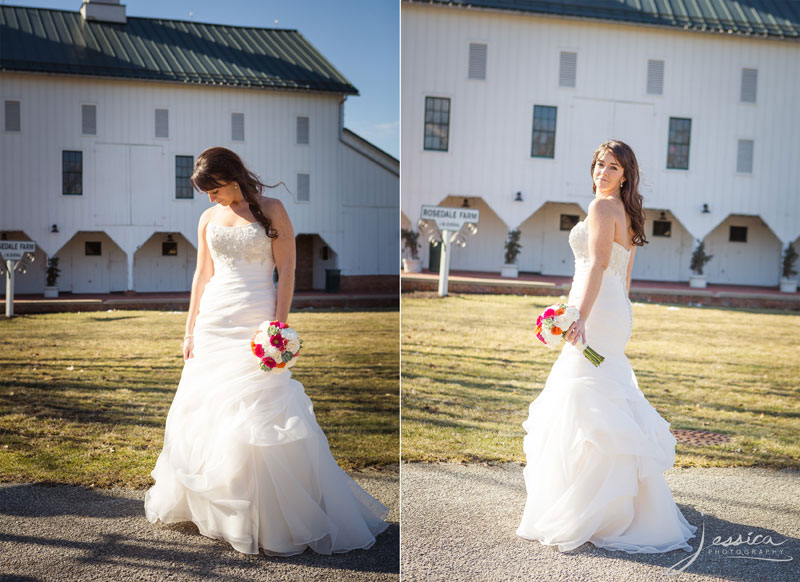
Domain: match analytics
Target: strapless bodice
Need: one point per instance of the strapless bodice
(238, 247)
(579, 241)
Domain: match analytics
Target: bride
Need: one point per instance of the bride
(595, 447)
(243, 456)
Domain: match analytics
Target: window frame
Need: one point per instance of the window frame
(179, 187)
(430, 124)
(672, 164)
(540, 131)
(65, 172)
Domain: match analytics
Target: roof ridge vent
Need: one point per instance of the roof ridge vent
(103, 11)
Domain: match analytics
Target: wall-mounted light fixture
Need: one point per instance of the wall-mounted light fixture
(662, 216)
(54, 228)
(705, 209)
(519, 197)
(465, 204)
(169, 237)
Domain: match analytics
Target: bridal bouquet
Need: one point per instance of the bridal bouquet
(276, 345)
(552, 325)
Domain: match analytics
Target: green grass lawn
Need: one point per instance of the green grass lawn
(471, 365)
(84, 396)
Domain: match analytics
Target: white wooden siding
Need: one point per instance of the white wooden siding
(490, 122)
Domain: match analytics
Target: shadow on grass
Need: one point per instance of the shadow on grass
(191, 554)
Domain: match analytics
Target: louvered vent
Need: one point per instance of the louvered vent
(237, 126)
(744, 156)
(303, 187)
(302, 130)
(567, 66)
(162, 123)
(12, 114)
(749, 85)
(655, 77)
(89, 119)
(477, 61)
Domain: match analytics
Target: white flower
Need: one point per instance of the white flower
(261, 338)
(291, 362)
(274, 353)
(293, 345)
(289, 334)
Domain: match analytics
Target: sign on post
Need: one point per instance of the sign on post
(450, 226)
(12, 252)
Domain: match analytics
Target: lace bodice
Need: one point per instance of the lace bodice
(579, 241)
(238, 245)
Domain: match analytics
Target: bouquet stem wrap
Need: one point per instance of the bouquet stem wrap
(552, 325)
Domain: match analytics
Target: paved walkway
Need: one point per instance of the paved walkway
(459, 523)
(67, 533)
(27, 303)
(527, 284)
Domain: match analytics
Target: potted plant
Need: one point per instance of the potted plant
(699, 259)
(789, 285)
(411, 242)
(512, 246)
(50, 289)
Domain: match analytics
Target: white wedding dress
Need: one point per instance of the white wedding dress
(595, 447)
(244, 457)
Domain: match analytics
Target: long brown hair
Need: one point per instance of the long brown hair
(629, 190)
(218, 166)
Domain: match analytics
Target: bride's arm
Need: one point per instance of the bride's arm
(202, 273)
(283, 251)
(600, 222)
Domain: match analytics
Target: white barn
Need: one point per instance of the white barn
(503, 103)
(105, 114)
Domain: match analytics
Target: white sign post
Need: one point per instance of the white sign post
(13, 251)
(450, 222)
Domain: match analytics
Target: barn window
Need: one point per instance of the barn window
(543, 142)
(655, 77)
(744, 156)
(568, 221)
(437, 123)
(71, 172)
(303, 187)
(12, 116)
(662, 228)
(162, 123)
(680, 130)
(749, 86)
(302, 130)
(567, 68)
(738, 234)
(183, 172)
(237, 126)
(93, 248)
(477, 61)
(89, 119)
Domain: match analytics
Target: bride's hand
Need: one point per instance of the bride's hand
(576, 331)
(188, 348)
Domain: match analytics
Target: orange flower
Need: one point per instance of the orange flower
(281, 365)
(556, 330)
(538, 329)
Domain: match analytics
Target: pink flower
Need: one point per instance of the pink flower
(269, 362)
(259, 351)
(279, 341)
(549, 312)
(538, 321)
(541, 338)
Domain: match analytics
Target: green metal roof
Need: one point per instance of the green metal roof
(757, 18)
(58, 41)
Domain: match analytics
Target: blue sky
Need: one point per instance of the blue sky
(360, 38)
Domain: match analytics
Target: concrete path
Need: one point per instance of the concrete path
(67, 533)
(459, 523)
